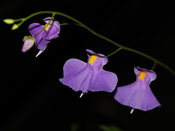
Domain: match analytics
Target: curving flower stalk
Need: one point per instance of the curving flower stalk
(22, 20)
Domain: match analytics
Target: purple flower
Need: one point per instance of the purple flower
(90, 76)
(138, 95)
(44, 33)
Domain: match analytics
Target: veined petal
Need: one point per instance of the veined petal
(35, 30)
(76, 75)
(42, 44)
(51, 33)
(136, 96)
(78, 81)
(53, 28)
(150, 101)
(103, 81)
(73, 66)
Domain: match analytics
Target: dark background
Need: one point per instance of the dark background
(31, 96)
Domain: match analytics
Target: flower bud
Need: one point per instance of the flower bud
(8, 21)
(15, 26)
(28, 43)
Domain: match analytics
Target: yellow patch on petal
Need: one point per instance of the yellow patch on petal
(142, 75)
(92, 59)
(47, 26)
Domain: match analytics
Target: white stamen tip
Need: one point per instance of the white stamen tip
(38, 53)
(132, 110)
(41, 51)
(81, 94)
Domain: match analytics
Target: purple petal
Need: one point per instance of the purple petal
(73, 66)
(90, 52)
(53, 22)
(79, 81)
(42, 44)
(136, 96)
(53, 30)
(152, 75)
(103, 59)
(76, 75)
(51, 33)
(47, 19)
(35, 29)
(137, 70)
(103, 81)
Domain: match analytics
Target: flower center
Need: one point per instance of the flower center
(92, 59)
(47, 26)
(142, 75)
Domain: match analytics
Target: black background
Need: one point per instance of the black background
(31, 96)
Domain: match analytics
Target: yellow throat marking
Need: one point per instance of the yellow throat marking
(142, 75)
(47, 26)
(92, 59)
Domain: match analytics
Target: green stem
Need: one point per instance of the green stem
(64, 24)
(155, 63)
(17, 20)
(101, 36)
(114, 52)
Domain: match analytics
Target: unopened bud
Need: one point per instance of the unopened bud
(15, 26)
(8, 21)
(28, 43)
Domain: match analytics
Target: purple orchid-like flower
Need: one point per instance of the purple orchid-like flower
(138, 95)
(43, 34)
(90, 76)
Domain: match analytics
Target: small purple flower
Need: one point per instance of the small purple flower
(138, 95)
(90, 76)
(44, 33)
